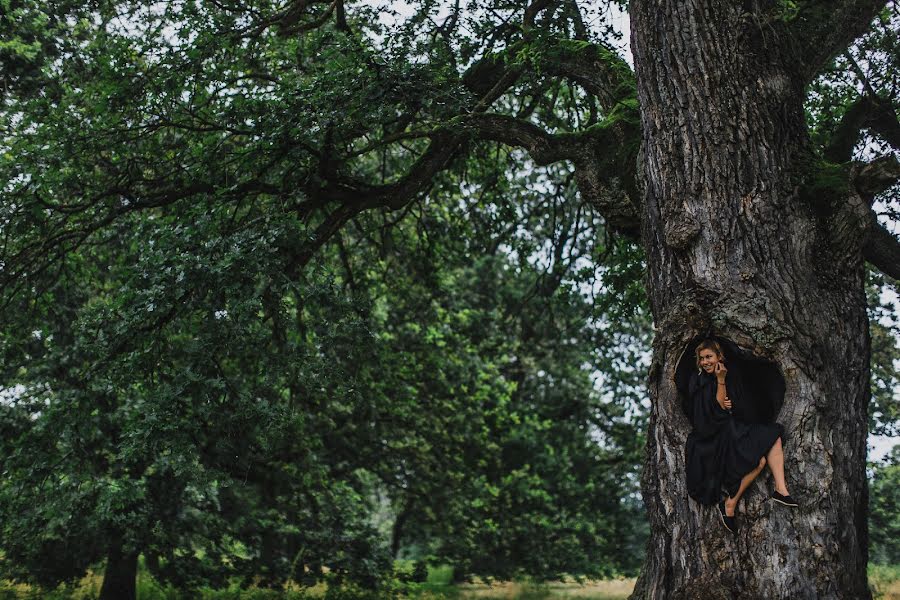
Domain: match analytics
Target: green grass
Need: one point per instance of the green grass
(884, 579)
(441, 575)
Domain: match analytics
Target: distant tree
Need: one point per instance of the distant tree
(182, 436)
(177, 396)
(884, 510)
(543, 493)
(884, 329)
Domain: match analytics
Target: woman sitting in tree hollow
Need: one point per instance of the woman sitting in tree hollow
(726, 450)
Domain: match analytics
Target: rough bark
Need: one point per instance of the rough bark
(734, 249)
(120, 576)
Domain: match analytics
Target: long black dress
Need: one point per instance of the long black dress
(723, 446)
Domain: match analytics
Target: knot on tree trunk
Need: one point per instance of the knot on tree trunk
(680, 229)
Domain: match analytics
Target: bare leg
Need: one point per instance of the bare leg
(731, 503)
(776, 465)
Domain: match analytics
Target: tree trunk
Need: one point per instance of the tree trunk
(735, 250)
(397, 529)
(119, 578)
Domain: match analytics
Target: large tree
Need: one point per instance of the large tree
(744, 153)
(754, 232)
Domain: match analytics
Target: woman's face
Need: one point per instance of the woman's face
(708, 360)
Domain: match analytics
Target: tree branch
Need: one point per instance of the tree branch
(867, 112)
(68, 227)
(605, 158)
(340, 197)
(289, 19)
(544, 148)
(607, 183)
(314, 24)
(846, 134)
(883, 121)
(606, 153)
(599, 70)
(822, 29)
(882, 249)
(877, 176)
(532, 11)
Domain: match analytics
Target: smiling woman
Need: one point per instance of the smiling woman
(728, 446)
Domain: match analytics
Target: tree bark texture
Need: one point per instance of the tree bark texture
(120, 576)
(735, 250)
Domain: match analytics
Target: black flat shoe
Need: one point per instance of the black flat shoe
(727, 521)
(786, 500)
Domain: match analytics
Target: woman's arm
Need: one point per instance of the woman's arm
(721, 392)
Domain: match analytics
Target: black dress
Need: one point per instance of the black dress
(723, 446)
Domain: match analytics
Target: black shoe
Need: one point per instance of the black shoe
(727, 521)
(786, 500)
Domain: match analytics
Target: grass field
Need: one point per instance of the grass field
(884, 580)
(614, 589)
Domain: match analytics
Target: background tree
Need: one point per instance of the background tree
(739, 152)
(226, 421)
(885, 514)
(884, 329)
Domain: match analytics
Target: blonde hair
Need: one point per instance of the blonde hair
(708, 344)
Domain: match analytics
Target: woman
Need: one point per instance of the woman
(726, 449)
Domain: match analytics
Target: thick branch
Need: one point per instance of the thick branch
(605, 158)
(606, 154)
(882, 249)
(877, 176)
(845, 136)
(605, 181)
(599, 70)
(822, 29)
(867, 112)
(313, 24)
(532, 11)
(354, 196)
(883, 121)
(289, 21)
(544, 148)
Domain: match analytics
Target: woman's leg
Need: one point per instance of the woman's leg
(776, 465)
(731, 503)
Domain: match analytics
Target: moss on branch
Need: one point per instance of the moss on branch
(601, 71)
(823, 184)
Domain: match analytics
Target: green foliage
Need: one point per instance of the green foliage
(884, 408)
(177, 427)
(824, 184)
(180, 395)
(884, 511)
(527, 478)
(787, 10)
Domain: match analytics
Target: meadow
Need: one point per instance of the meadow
(883, 579)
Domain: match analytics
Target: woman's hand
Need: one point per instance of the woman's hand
(720, 371)
(725, 403)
